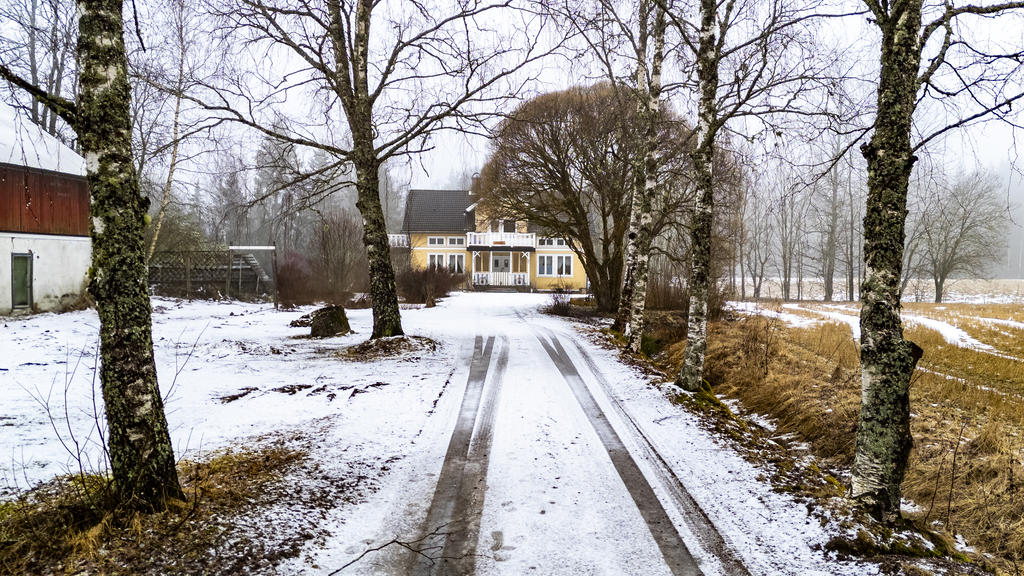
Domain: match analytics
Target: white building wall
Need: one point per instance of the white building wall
(59, 268)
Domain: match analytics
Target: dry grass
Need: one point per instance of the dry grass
(968, 407)
(68, 527)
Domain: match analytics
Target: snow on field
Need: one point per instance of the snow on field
(756, 309)
(554, 504)
(950, 333)
(227, 371)
(842, 317)
(850, 315)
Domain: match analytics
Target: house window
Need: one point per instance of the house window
(554, 265)
(456, 240)
(435, 260)
(457, 263)
(435, 240)
(551, 242)
(545, 265)
(563, 265)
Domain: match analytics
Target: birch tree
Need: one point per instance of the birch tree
(641, 233)
(755, 61)
(926, 52)
(141, 456)
(396, 72)
(632, 33)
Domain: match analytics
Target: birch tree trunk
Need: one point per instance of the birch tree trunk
(175, 143)
(691, 375)
(887, 360)
(638, 295)
(141, 455)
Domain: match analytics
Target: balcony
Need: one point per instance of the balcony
(491, 240)
(398, 240)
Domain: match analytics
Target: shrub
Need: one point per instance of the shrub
(295, 284)
(559, 303)
(425, 286)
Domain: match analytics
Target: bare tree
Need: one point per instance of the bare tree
(41, 50)
(974, 82)
(854, 236)
(964, 229)
(790, 219)
(753, 61)
(340, 254)
(758, 239)
(565, 162)
(398, 71)
(141, 455)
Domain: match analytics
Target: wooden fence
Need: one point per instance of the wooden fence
(210, 274)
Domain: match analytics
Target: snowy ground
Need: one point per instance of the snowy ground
(553, 497)
(973, 291)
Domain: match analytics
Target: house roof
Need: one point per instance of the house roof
(439, 211)
(22, 143)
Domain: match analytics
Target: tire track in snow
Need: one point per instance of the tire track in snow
(459, 555)
(664, 532)
(453, 519)
(695, 517)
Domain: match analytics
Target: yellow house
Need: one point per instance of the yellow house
(444, 229)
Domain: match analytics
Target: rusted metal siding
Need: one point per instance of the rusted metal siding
(43, 202)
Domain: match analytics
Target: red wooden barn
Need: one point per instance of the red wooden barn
(44, 218)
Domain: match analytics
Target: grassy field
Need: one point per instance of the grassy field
(966, 472)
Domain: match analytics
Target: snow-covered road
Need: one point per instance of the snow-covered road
(586, 463)
(523, 446)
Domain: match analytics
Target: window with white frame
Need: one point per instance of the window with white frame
(435, 261)
(563, 265)
(545, 265)
(435, 240)
(551, 242)
(457, 263)
(554, 265)
(456, 240)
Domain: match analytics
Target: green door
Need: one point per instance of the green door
(21, 278)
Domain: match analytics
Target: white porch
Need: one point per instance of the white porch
(492, 268)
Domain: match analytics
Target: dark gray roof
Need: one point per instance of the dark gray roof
(439, 211)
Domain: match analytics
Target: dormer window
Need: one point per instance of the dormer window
(502, 226)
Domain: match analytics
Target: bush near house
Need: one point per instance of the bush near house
(425, 286)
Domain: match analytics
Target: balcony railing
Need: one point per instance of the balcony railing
(511, 239)
(501, 279)
(398, 240)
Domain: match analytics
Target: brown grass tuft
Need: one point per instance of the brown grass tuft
(69, 526)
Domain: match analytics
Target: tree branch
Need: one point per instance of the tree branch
(62, 107)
